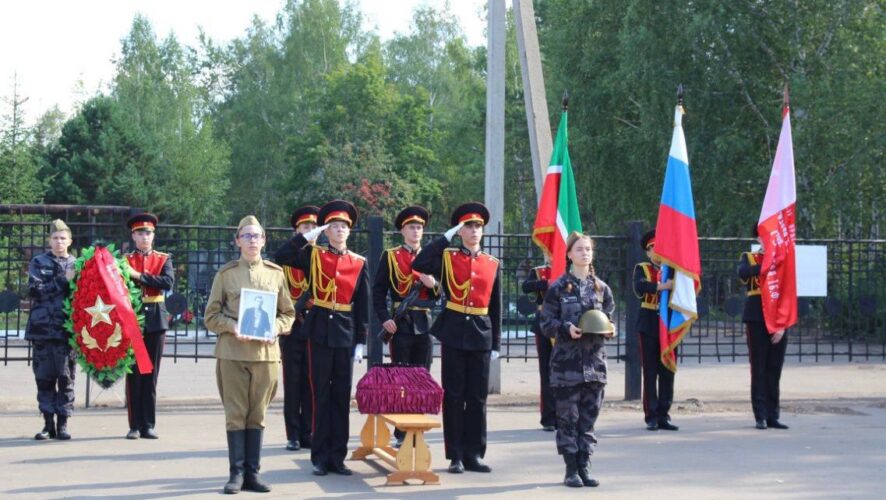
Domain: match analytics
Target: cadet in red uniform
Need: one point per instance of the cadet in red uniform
(766, 350)
(297, 408)
(410, 342)
(469, 329)
(336, 327)
(153, 271)
(658, 381)
(537, 283)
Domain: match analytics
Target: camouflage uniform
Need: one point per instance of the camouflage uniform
(53, 365)
(578, 367)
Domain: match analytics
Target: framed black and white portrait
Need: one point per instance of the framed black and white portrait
(258, 309)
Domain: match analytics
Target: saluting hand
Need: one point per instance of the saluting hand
(451, 232)
(313, 234)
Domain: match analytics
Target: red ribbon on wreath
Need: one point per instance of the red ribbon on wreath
(119, 297)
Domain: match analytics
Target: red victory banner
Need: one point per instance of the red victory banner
(106, 332)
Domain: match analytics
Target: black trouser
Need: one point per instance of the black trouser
(658, 381)
(141, 390)
(330, 369)
(297, 404)
(54, 371)
(465, 386)
(546, 402)
(578, 407)
(767, 360)
(411, 349)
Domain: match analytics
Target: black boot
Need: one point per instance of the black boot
(48, 431)
(237, 461)
(572, 480)
(61, 432)
(583, 461)
(251, 480)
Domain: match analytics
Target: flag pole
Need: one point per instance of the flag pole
(565, 100)
(787, 100)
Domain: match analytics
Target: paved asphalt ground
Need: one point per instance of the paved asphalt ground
(836, 447)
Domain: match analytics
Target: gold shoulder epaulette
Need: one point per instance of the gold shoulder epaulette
(356, 255)
(164, 254)
(493, 258)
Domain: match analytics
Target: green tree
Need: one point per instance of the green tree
(622, 61)
(18, 167)
(433, 57)
(188, 175)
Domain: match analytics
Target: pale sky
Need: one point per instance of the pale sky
(53, 44)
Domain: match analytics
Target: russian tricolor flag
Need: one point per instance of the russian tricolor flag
(676, 242)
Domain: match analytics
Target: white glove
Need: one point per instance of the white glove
(451, 232)
(314, 233)
(358, 353)
(494, 355)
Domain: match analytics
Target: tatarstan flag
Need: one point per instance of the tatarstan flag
(777, 230)
(676, 242)
(557, 214)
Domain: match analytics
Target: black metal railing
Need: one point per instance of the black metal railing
(850, 323)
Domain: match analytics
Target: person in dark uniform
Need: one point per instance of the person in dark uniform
(537, 283)
(658, 381)
(297, 409)
(766, 349)
(336, 326)
(410, 342)
(469, 331)
(153, 272)
(49, 277)
(578, 361)
(256, 321)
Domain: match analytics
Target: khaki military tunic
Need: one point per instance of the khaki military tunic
(246, 371)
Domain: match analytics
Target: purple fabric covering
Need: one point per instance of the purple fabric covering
(399, 389)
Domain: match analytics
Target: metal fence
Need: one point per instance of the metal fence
(849, 324)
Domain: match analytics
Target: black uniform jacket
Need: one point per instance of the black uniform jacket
(325, 326)
(469, 332)
(750, 276)
(48, 288)
(575, 361)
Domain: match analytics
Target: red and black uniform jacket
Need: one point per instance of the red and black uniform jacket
(339, 287)
(749, 273)
(394, 276)
(157, 277)
(471, 318)
(646, 278)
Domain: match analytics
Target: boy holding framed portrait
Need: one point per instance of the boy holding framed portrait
(245, 293)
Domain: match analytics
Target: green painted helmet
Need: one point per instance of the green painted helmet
(595, 321)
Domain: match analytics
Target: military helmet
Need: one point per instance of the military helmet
(595, 321)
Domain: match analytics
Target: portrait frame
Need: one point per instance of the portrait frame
(256, 316)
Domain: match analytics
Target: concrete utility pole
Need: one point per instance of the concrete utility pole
(495, 141)
(539, 124)
(495, 114)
